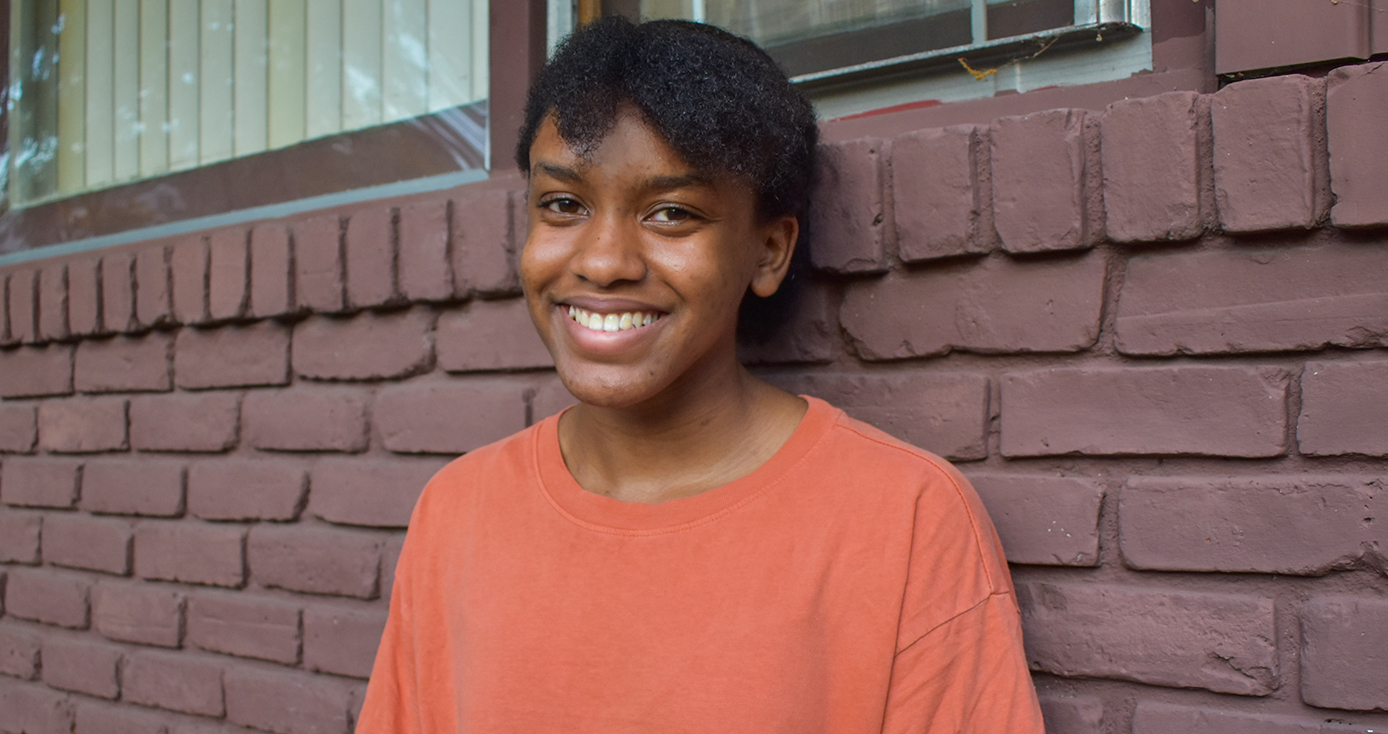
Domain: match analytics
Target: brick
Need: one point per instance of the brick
(315, 560)
(19, 536)
(23, 298)
(369, 493)
(241, 625)
(286, 703)
(19, 652)
(485, 243)
(271, 292)
(147, 614)
(450, 417)
(31, 708)
(370, 249)
(185, 422)
(342, 640)
(188, 261)
(490, 335)
(1298, 525)
(84, 297)
(40, 482)
(174, 681)
(81, 541)
(425, 270)
(84, 425)
(318, 270)
(1343, 638)
(143, 486)
(233, 356)
(241, 489)
(1078, 715)
(1151, 161)
(368, 346)
(32, 372)
(191, 552)
(550, 398)
(1356, 96)
(848, 212)
(82, 666)
(52, 597)
(940, 412)
(994, 305)
(1265, 168)
(1253, 301)
(1220, 642)
(1193, 410)
(101, 718)
(325, 419)
(228, 274)
(808, 333)
(938, 194)
(124, 364)
(53, 324)
(1043, 520)
(19, 428)
(118, 292)
(1339, 406)
(1157, 718)
(153, 287)
(1040, 181)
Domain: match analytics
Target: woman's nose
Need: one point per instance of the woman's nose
(609, 251)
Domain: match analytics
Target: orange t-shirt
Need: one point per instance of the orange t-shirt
(852, 583)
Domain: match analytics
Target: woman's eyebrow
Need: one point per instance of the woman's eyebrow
(669, 183)
(562, 173)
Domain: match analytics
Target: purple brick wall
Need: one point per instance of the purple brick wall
(1155, 335)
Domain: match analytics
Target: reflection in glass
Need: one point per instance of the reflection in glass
(104, 92)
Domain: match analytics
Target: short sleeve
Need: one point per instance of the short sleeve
(967, 676)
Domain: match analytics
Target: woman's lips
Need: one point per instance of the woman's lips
(608, 331)
(612, 321)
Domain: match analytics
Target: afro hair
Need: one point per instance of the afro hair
(718, 100)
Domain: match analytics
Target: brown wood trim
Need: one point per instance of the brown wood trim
(1254, 35)
(589, 11)
(517, 53)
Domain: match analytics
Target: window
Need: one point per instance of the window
(856, 55)
(104, 93)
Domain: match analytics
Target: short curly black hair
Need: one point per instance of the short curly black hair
(720, 101)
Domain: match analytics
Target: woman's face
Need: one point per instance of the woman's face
(636, 263)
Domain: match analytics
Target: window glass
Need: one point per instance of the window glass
(106, 92)
(809, 36)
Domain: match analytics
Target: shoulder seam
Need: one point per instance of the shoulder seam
(903, 648)
(953, 483)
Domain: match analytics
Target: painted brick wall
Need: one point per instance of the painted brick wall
(1155, 336)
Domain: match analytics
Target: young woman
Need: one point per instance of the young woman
(688, 548)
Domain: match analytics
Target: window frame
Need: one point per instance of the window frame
(220, 193)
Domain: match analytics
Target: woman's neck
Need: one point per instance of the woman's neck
(684, 443)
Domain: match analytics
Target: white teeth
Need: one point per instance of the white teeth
(612, 321)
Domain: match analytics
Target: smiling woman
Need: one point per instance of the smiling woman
(688, 548)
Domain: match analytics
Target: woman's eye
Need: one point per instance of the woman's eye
(671, 215)
(563, 206)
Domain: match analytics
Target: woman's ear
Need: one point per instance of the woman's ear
(776, 240)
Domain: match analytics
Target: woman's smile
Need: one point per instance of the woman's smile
(636, 264)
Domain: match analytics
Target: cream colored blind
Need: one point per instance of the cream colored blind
(109, 91)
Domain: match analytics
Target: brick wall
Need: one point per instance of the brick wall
(1153, 335)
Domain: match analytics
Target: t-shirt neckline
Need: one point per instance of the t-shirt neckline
(605, 514)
